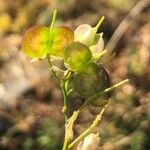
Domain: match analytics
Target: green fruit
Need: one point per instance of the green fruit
(35, 42)
(87, 85)
(100, 101)
(61, 37)
(77, 56)
(90, 69)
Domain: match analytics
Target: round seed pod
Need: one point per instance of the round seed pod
(89, 85)
(100, 101)
(90, 69)
(77, 56)
(61, 37)
(34, 43)
(37, 41)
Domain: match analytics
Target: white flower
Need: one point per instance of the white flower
(85, 34)
(90, 142)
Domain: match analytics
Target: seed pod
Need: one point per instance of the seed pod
(100, 101)
(35, 41)
(77, 56)
(90, 69)
(38, 42)
(87, 85)
(61, 37)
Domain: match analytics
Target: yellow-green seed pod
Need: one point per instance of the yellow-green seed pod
(61, 37)
(35, 42)
(77, 56)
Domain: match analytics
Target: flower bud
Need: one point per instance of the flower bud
(90, 142)
(85, 34)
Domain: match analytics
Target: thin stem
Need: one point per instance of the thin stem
(67, 75)
(53, 21)
(65, 97)
(97, 57)
(90, 129)
(112, 87)
(99, 23)
(103, 92)
(103, 53)
(50, 66)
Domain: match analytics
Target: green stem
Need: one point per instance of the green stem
(50, 66)
(53, 21)
(97, 57)
(111, 88)
(99, 23)
(65, 146)
(95, 123)
(103, 92)
(65, 97)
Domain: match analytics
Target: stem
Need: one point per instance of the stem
(103, 92)
(63, 86)
(65, 97)
(65, 146)
(99, 23)
(90, 129)
(103, 53)
(50, 66)
(53, 21)
(97, 57)
(112, 87)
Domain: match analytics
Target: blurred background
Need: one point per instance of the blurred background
(31, 101)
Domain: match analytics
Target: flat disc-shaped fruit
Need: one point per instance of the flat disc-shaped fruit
(61, 37)
(87, 85)
(90, 69)
(77, 56)
(35, 42)
(100, 101)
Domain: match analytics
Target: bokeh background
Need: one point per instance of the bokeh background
(30, 99)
